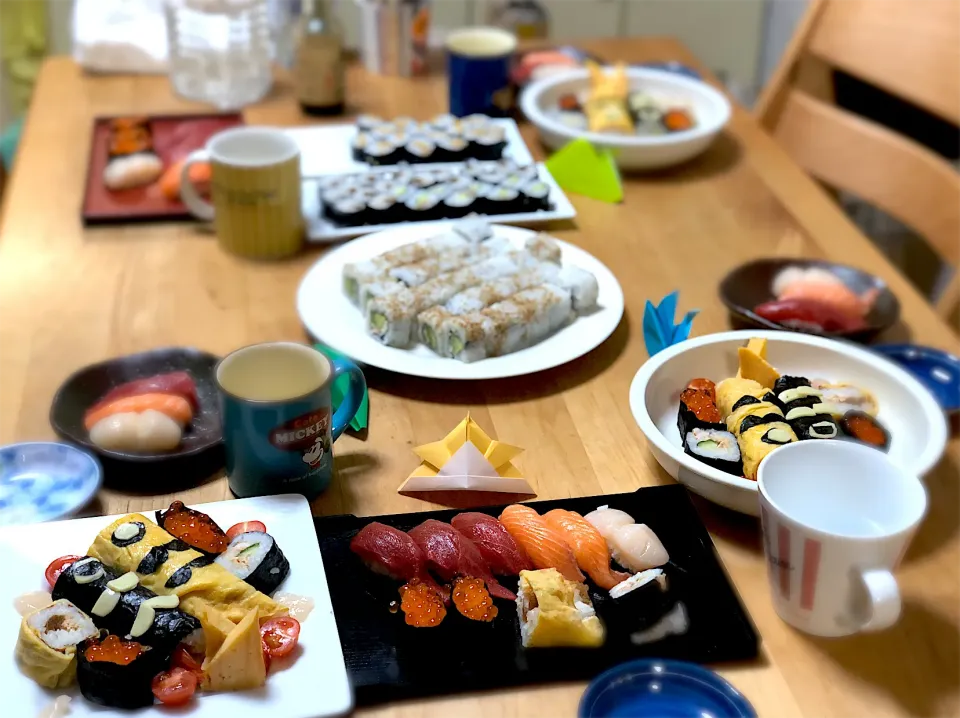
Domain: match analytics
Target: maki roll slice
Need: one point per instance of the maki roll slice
(420, 150)
(117, 673)
(861, 426)
(702, 431)
(451, 149)
(422, 206)
(358, 146)
(367, 123)
(458, 204)
(193, 527)
(803, 408)
(381, 209)
(349, 211)
(382, 152)
(254, 557)
(503, 200)
(639, 601)
(536, 195)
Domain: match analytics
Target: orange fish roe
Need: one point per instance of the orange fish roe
(421, 605)
(472, 600)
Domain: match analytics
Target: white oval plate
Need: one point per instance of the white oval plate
(330, 317)
(916, 423)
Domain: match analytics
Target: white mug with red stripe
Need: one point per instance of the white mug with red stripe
(837, 518)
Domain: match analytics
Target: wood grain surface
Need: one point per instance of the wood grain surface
(69, 297)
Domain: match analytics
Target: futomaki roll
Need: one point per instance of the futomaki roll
(255, 557)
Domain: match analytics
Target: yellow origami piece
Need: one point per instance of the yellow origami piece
(467, 459)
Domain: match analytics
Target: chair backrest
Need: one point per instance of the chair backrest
(908, 48)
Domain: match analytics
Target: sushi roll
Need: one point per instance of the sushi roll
(121, 605)
(419, 150)
(430, 329)
(422, 206)
(382, 152)
(503, 200)
(367, 123)
(543, 247)
(555, 612)
(488, 145)
(349, 211)
(117, 673)
(254, 557)
(536, 195)
(451, 149)
(423, 179)
(861, 426)
(474, 229)
(381, 208)
(803, 408)
(582, 285)
(476, 120)
(47, 644)
(639, 601)
(714, 447)
(358, 146)
(445, 122)
(458, 204)
(843, 397)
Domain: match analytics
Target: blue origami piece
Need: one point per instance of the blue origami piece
(659, 331)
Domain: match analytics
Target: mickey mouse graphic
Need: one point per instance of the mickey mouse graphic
(313, 455)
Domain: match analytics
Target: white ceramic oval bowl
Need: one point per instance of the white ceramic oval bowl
(916, 423)
(632, 152)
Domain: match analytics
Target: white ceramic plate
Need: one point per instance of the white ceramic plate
(330, 317)
(314, 685)
(325, 150)
(632, 152)
(916, 423)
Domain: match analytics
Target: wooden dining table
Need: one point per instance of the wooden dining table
(70, 296)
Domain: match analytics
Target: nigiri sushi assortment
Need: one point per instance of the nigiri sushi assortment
(158, 612)
(133, 162)
(549, 554)
(144, 415)
(816, 299)
(735, 424)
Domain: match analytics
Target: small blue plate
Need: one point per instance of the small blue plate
(44, 480)
(935, 369)
(673, 66)
(654, 688)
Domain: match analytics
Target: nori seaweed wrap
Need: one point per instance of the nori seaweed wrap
(107, 676)
(169, 627)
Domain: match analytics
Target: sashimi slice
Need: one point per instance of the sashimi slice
(607, 520)
(393, 553)
(589, 547)
(496, 545)
(637, 548)
(176, 407)
(544, 545)
(175, 382)
(450, 554)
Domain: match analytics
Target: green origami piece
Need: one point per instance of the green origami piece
(339, 390)
(581, 168)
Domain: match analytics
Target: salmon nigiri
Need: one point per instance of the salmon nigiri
(543, 544)
(589, 547)
(176, 407)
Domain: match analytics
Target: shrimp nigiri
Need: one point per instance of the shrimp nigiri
(589, 547)
(176, 407)
(542, 543)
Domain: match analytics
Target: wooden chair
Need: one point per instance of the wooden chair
(908, 48)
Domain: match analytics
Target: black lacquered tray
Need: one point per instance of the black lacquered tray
(388, 660)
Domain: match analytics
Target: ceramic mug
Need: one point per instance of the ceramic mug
(278, 427)
(478, 68)
(255, 187)
(837, 518)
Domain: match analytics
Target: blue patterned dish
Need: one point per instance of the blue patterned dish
(655, 688)
(937, 370)
(44, 480)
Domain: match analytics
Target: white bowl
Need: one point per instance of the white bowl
(916, 423)
(632, 152)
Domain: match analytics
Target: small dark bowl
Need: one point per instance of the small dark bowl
(750, 284)
(201, 448)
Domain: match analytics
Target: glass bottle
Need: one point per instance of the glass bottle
(527, 19)
(319, 66)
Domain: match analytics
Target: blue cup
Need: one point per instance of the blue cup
(478, 67)
(278, 424)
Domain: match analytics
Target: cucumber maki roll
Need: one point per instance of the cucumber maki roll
(382, 152)
(451, 149)
(714, 447)
(536, 195)
(420, 150)
(458, 204)
(254, 557)
(503, 200)
(358, 146)
(641, 600)
(366, 123)
(422, 206)
(117, 673)
(381, 209)
(349, 211)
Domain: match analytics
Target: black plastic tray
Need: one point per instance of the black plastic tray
(388, 660)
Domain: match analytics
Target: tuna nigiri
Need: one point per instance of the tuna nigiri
(637, 547)
(392, 553)
(176, 407)
(607, 520)
(544, 545)
(497, 547)
(589, 547)
(175, 382)
(450, 554)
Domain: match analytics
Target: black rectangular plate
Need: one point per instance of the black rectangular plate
(388, 660)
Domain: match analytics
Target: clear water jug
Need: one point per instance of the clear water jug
(220, 50)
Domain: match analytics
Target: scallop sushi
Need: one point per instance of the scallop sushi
(255, 557)
(47, 643)
(637, 548)
(607, 520)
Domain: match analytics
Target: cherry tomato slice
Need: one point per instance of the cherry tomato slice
(182, 658)
(174, 687)
(57, 567)
(243, 527)
(280, 635)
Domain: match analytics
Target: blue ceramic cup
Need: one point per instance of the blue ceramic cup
(278, 425)
(478, 67)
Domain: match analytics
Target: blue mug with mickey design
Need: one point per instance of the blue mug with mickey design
(478, 68)
(278, 422)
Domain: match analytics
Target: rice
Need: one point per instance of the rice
(61, 625)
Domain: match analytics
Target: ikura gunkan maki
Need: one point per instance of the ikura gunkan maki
(704, 434)
(255, 557)
(118, 673)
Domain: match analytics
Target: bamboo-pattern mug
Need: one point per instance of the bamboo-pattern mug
(255, 190)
